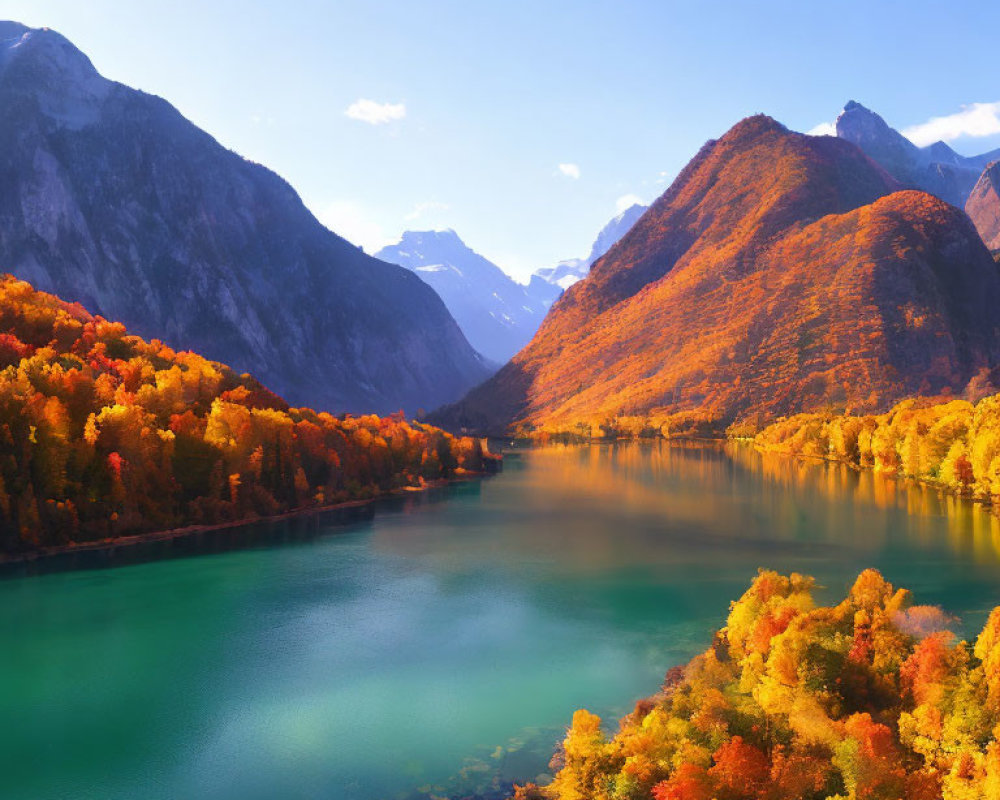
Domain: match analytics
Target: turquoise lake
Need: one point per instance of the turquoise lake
(443, 646)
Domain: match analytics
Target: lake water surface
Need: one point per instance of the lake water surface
(445, 644)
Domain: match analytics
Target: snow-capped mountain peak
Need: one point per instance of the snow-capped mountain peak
(497, 314)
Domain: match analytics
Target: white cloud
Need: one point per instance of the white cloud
(426, 208)
(351, 221)
(823, 129)
(626, 201)
(975, 120)
(570, 170)
(375, 113)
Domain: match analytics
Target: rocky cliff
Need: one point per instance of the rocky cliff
(112, 198)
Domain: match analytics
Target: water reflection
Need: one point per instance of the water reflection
(629, 503)
(971, 529)
(441, 647)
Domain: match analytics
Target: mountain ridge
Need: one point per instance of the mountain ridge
(936, 168)
(569, 271)
(779, 272)
(117, 201)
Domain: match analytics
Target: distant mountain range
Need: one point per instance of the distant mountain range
(112, 198)
(779, 273)
(936, 169)
(566, 273)
(497, 314)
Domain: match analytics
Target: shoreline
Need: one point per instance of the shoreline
(749, 441)
(926, 483)
(212, 538)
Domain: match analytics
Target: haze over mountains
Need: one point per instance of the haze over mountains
(566, 273)
(936, 168)
(113, 199)
(780, 272)
(497, 314)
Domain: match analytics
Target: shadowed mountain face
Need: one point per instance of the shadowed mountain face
(936, 168)
(780, 272)
(496, 313)
(983, 206)
(113, 199)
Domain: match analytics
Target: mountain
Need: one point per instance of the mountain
(113, 199)
(983, 206)
(936, 168)
(496, 314)
(779, 273)
(615, 230)
(566, 273)
(542, 291)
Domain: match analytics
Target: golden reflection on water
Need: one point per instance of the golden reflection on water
(666, 502)
(971, 528)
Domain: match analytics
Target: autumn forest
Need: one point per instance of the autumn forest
(874, 697)
(532, 488)
(104, 434)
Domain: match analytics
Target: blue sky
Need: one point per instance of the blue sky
(474, 106)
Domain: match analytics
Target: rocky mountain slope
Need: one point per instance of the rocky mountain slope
(936, 168)
(496, 314)
(983, 206)
(780, 272)
(113, 199)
